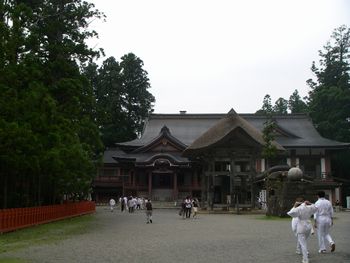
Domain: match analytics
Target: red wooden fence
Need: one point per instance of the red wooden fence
(16, 218)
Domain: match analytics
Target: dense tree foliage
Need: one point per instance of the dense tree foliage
(269, 150)
(328, 102)
(281, 106)
(329, 98)
(267, 107)
(123, 99)
(296, 104)
(49, 142)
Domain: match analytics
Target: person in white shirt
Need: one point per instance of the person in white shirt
(323, 222)
(294, 224)
(112, 204)
(303, 211)
(126, 203)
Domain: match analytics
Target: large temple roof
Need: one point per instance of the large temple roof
(232, 123)
(295, 130)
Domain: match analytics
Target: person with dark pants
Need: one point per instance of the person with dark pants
(149, 211)
(188, 207)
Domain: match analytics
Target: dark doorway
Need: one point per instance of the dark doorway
(162, 180)
(217, 194)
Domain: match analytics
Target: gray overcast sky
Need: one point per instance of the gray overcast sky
(207, 56)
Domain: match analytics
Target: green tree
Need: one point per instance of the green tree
(267, 106)
(330, 93)
(138, 100)
(329, 98)
(296, 104)
(47, 113)
(123, 99)
(281, 106)
(269, 150)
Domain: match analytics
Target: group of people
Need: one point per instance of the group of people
(133, 203)
(322, 212)
(189, 206)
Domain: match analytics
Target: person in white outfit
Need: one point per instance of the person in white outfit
(323, 222)
(112, 204)
(303, 211)
(295, 221)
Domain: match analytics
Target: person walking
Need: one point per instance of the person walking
(149, 210)
(195, 205)
(182, 209)
(323, 222)
(303, 211)
(111, 204)
(295, 221)
(188, 207)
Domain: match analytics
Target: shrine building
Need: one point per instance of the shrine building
(214, 157)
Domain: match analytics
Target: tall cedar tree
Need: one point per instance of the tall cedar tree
(49, 143)
(123, 99)
(281, 106)
(329, 98)
(296, 104)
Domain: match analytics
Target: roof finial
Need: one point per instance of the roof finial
(232, 112)
(165, 129)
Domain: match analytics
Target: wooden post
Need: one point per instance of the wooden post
(149, 184)
(175, 195)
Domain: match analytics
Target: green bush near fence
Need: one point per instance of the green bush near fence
(46, 233)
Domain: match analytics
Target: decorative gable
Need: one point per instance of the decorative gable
(164, 142)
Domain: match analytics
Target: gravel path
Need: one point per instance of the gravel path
(123, 237)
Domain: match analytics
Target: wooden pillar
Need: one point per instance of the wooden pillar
(327, 164)
(133, 173)
(175, 191)
(293, 159)
(232, 181)
(195, 178)
(252, 175)
(149, 184)
(258, 165)
(203, 188)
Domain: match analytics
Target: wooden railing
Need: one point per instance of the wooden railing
(16, 218)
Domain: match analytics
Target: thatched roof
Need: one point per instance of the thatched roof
(223, 129)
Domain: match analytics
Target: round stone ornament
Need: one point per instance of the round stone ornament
(295, 173)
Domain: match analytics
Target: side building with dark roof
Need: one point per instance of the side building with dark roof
(214, 157)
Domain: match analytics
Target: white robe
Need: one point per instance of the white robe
(303, 225)
(323, 217)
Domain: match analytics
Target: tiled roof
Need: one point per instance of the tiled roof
(188, 127)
